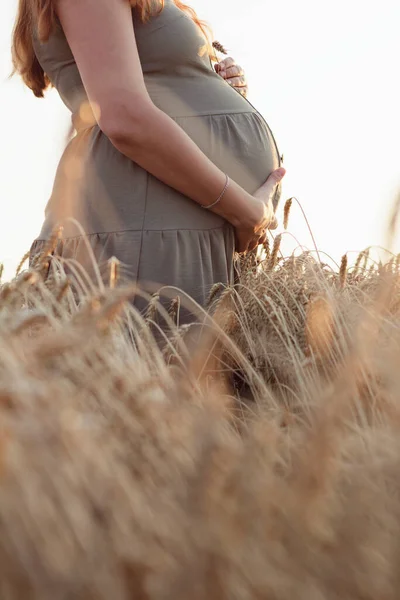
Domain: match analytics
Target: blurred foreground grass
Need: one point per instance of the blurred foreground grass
(261, 462)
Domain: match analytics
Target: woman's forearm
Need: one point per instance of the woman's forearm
(161, 147)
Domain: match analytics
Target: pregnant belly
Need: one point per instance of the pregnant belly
(225, 126)
(241, 145)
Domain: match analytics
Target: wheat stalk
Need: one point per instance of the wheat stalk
(286, 212)
(22, 262)
(219, 47)
(114, 265)
(63, 290)
(357, 263)
(151, 310)
(174, 309)
(215, 290)
(274, 254)
(343, 272)
(41, 261)
(267, 248)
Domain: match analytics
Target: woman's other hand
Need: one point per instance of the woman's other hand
(248, 236)
(233, 74)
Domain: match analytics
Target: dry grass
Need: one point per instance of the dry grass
(265, 464)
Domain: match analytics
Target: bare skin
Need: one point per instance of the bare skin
(233, 74)
(102, 39)
(246, 238)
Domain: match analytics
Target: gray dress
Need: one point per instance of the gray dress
(158, 234)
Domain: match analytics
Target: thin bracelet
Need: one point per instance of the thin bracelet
(220, 196)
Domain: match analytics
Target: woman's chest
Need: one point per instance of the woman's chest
(171, 42)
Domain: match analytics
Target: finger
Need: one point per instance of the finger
(237, 82)
(234, 71)
(267, 190)
(254, 242)
(240, 247)
(263, 238)
(227, 62)
(252, 245)
(242, 90)
(273, 224)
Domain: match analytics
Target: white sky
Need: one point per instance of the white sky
(323, 74)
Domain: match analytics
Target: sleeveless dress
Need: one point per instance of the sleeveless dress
(156, 233)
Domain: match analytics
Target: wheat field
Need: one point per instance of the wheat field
(261, 462)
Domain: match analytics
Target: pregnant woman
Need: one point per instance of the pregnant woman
(171, 169)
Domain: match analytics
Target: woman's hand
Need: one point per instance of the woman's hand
(233, 74)
(249, 235)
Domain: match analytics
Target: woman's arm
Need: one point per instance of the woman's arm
(101, 36)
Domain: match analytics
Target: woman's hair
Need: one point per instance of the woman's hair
(43, 14)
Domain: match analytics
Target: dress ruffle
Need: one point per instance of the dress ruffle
(191, 260)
